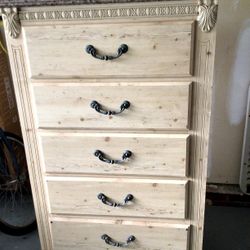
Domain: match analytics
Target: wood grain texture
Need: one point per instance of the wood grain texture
(152, 197)
(202, 93)
(153, 154)
(157, 48)
(87, 234)
(156, 106)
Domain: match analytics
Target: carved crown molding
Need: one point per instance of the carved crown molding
(207, 14)
(12, 21)
(206, 10)
(110, 12)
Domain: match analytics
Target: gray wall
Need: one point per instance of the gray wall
(232, 78)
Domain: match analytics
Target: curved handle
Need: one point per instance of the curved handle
(107, 201)
(108, 240)
(98, 107)
(90, 49)
(101, 156)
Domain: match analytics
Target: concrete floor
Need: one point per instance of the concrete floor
(26, 242)
(226, 228)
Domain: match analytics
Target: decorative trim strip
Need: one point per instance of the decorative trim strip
(24, 103)
(109, 12)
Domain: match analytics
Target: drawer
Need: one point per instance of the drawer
(155, 49)
(79, 234)
(152, 198)
(152, 154)
(152, 105)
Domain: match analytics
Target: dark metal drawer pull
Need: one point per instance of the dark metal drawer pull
(107, 201)
(90, 49)
(101, 156)
(108, 240)
(98, 107)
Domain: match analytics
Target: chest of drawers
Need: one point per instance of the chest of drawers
(114, 102)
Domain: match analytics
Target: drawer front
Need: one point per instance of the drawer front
(86, 234)
(152, 198)
(155, 49)
(152, 154)
(154, 106)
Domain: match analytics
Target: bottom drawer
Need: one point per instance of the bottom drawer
(79, 234)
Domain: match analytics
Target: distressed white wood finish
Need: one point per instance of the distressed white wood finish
(86, 234)
(202, 95)
(152, 154)
(200, 115)
(157, 49)
(153, 105)
(152, 197)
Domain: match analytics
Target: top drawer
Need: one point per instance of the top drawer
(155, 49)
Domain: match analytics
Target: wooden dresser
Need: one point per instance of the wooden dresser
(114, 102)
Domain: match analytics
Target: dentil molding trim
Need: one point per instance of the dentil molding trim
(110, 11)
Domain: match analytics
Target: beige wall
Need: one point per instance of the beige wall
(232, 78)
